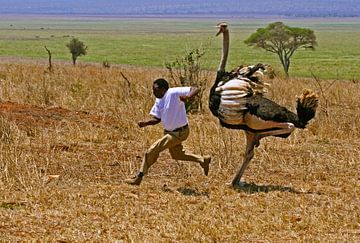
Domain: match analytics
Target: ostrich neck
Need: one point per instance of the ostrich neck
(225, 50)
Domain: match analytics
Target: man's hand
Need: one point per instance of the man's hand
(193, 92)
(152, 121)
(183, 98)
(142, 124)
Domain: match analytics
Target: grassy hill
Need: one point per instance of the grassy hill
(155, 41)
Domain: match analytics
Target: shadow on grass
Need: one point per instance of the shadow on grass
(186, 191)
(249, 188)
(253, 188)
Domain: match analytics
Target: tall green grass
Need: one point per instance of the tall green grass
(152, 42)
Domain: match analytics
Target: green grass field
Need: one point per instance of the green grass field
(152, 42)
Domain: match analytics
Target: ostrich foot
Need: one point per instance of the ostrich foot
(238, 184)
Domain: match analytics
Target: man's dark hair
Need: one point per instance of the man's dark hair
(162, 83)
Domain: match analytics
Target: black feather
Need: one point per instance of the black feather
(215, 98)
(268, 110)
(305, 114)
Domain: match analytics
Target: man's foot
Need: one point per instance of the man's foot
(135, 180)
(205, 164)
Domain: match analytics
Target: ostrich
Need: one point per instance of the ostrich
(236, 98)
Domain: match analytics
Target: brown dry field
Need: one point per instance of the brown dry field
(69, 139)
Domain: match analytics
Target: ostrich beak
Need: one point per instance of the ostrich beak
(222, 27)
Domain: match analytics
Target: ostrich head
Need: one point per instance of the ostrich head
(222, 27)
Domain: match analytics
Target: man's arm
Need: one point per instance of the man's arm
(193, 92)
(153, 121)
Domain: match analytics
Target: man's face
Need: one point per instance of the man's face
(158, 92)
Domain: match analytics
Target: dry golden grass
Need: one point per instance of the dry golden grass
(68, 139)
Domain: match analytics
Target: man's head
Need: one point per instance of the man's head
(160, 86)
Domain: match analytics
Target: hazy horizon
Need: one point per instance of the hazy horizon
(230, 8)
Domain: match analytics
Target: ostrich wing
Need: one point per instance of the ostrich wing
(268, 110)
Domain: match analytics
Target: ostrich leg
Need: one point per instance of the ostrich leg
(283, 128)
(251, 141)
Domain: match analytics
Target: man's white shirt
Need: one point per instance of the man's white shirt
(170, 109)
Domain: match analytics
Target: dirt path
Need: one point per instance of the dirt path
(31, 115)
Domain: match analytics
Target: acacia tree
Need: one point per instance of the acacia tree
(77, 48)
(282, 40)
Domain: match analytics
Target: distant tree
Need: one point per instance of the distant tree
(77, 48)
(282, 40)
